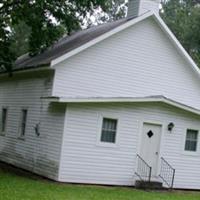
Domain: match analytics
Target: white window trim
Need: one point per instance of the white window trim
(3, 133)
(99, 131)
(191, 153)
(22, 137)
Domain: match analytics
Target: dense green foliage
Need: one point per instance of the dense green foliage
(36, 24)
(17, 186)
(183, 18)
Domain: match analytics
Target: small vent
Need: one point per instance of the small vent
(150, 134)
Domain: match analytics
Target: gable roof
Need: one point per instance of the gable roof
(71, 45)
(153, 99)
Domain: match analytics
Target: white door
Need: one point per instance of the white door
(150, 145)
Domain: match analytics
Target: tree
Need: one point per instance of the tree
(183, 18)
(6, 56)
(116, 9)
(45, 21)
(20, 34)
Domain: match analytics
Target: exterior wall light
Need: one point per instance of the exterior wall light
(170, 126)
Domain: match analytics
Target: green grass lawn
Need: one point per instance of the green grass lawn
(17, 186)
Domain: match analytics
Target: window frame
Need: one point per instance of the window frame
(195, 140)
(20, 136)
(100, 125)
(187, 152)
(3, 133)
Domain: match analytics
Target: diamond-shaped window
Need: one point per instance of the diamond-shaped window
(150, 134)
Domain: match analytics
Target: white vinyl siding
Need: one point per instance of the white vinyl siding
(191, 140)
(83, 161)
(39, 154)
(137, 62)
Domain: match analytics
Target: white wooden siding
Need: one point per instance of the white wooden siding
(84, 161)
(37, 154)
(139, 61)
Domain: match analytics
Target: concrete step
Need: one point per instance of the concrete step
(152, 185)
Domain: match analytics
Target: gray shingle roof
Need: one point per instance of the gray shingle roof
(65, 45)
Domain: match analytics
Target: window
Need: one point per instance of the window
(3, 120)
(109, 130)
(23, 122)
(191, 140)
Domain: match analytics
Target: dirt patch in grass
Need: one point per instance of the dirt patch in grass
(7, 168)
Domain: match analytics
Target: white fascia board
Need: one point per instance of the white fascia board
(177, 44)
(100, 38)
(106, 100)
(181, 106)
(130, 100)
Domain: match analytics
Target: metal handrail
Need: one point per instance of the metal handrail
(143, 160)
(144, 169)
(167, 173)
(166, 162)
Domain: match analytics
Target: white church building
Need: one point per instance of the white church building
(112, 104)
